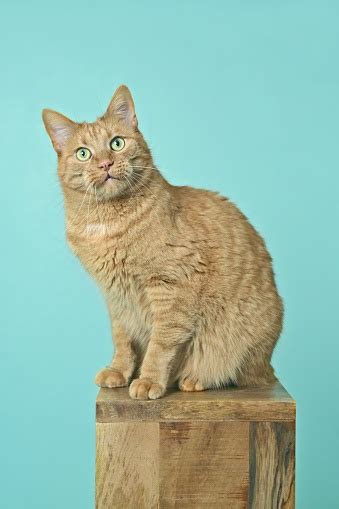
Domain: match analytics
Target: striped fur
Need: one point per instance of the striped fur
(187, 280)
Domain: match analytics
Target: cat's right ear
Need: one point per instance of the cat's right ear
(122, 107)
(59, 128)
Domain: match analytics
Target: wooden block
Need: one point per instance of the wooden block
(204, 464)
(231, 448)
(127, 473)
(272, 460)
(258, 404)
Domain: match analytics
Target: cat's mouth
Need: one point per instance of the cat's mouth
(109, 180)
(110, 184)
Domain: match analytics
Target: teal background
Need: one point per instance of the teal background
(240, 97)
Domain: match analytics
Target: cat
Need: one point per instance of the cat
(188, 281)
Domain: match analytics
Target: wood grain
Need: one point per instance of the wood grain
(227, 449)
(270, 403)
(204, 465)
(127, 473)
(272, 465)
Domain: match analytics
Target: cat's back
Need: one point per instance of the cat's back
(223, 236)
(215, 214)
(235, 255)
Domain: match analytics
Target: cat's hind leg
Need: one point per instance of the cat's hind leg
(255, 370)
(207, 365)
(188, 374)
(189, 385)
(211, 364)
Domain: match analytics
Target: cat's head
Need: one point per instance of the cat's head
(108, 156)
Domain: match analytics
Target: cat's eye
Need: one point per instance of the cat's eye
(83, 154)
(117, 143)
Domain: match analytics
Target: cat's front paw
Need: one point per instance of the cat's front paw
(145, 388)
(109, 377)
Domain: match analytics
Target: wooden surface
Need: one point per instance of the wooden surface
(229, 449)
(271, 403)
(127, 465)
(272, 464)
(204, 464)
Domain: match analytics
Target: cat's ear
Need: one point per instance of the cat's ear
(122, 106)
(59, 128)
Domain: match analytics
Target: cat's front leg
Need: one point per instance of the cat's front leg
(168, 336)
(122, 366)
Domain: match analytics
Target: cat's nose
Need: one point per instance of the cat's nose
(105, 164)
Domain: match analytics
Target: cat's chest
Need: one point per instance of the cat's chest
(111, 263)
(122, 279)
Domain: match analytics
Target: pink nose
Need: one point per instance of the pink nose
(105, 164)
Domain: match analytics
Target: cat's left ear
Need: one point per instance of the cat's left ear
(122, 106)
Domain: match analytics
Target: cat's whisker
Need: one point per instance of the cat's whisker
(144, 167)
(141, 182)
(144, 185)
(137, 167)
(133, 194)
(129, 184)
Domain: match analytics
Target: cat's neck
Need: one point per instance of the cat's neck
(89, 217)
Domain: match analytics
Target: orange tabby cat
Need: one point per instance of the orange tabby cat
(188, 281)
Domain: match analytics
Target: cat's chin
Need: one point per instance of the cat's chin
(111, 188)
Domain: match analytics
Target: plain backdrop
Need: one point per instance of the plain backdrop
(240, 97)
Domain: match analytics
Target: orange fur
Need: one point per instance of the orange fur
(188, 281)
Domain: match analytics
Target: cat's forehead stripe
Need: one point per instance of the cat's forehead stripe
(93, 131)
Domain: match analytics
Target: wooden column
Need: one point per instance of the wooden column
(226, 449)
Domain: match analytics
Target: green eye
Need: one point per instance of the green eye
(117, 143)
(83, 154)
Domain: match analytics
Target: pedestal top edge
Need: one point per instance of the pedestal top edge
(268, 394)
